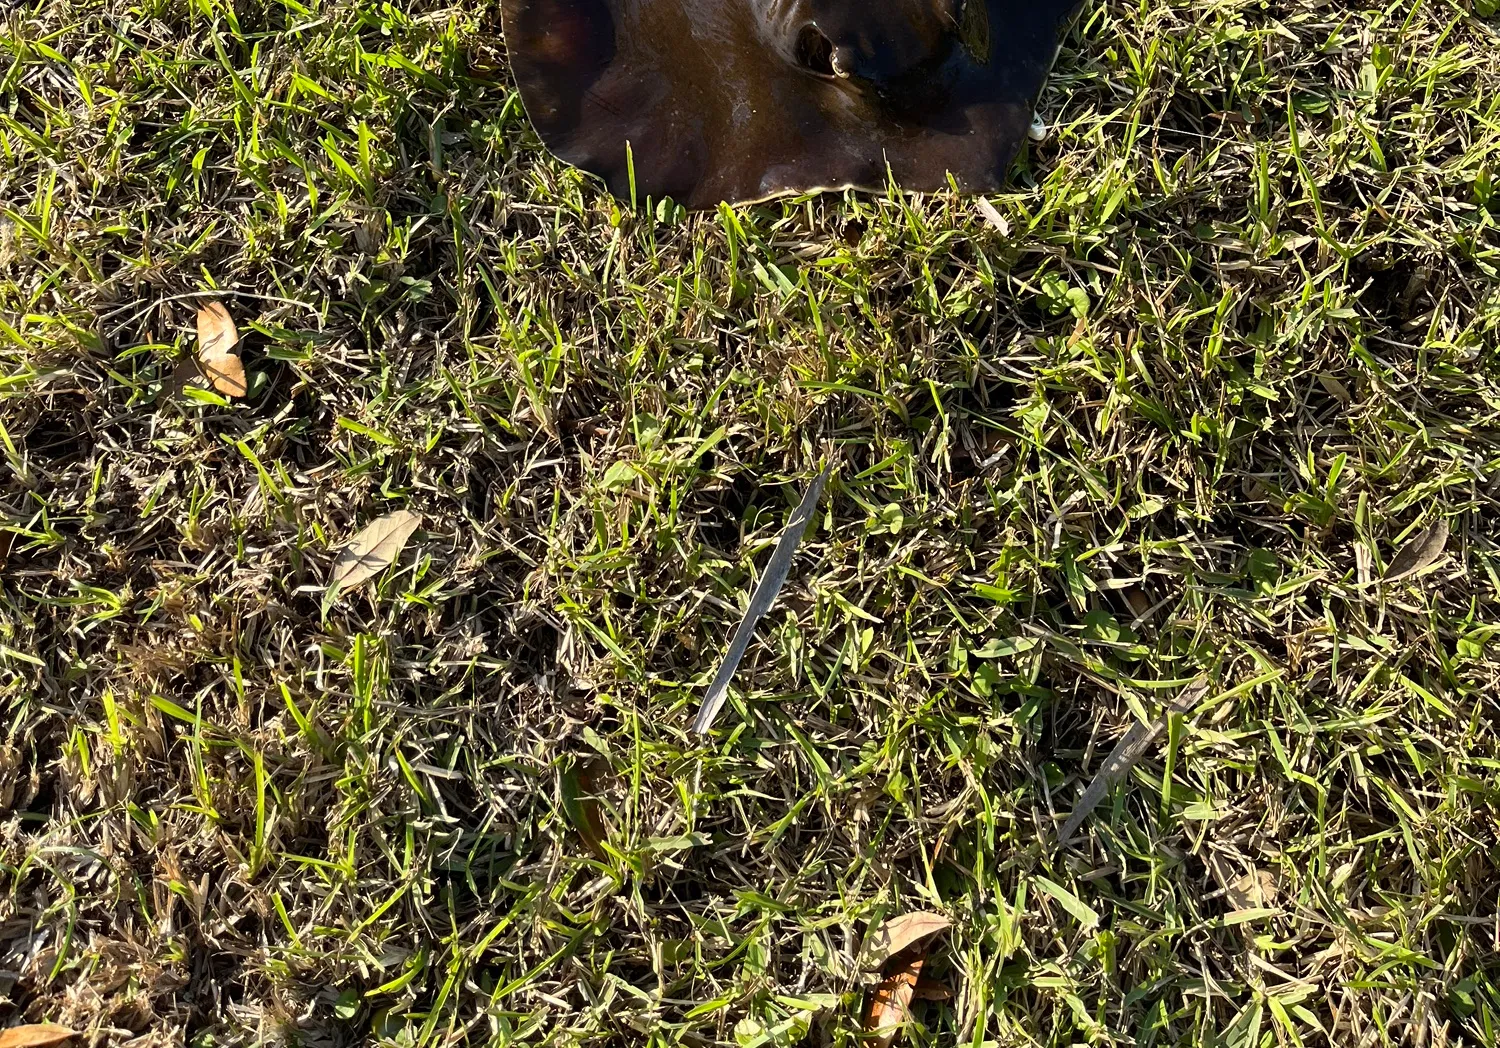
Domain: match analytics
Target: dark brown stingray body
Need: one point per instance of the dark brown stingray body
(739, 100)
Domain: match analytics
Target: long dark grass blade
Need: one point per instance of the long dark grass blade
(760, 602)
(1126, 752)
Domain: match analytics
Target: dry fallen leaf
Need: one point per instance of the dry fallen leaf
(1255, 890)
(1423, 551)
(374, 549)
(227, 373)
(184, 371)
(898, 934)
(992, 216)
(217, 339)
(217, 334)
(931, 990)
(890, 1002)
(1336, 389)
(40, 1035)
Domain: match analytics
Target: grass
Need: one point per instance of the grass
(1237, 348)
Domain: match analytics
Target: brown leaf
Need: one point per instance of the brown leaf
(217, 334)
(227, 373)
(931, 990)
(1423, 551)
(1254, 890)
(40, 1035)
(217, 339)
(898, 934)
(890, 1002)
(370, 552)
(580, 799)
(1336, 389)
(184, 371)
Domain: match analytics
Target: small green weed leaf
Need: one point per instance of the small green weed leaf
(1263, 566)
(258, 381)
(619, 476)
(789, 1032)
(889, 518)
(1060, 297)
(346, 1007)
(998, 647)
(1101, 625)
(1471, 645)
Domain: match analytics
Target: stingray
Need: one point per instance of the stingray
(742, 100)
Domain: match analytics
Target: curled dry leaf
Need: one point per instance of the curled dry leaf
(39, 1035)
(1423, 551)
(370, 552)
(217, 339)
(899, 934)
(890, 1002)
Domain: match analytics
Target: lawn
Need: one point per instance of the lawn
(1194, 404)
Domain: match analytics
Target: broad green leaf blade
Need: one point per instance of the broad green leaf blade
(1067, 900)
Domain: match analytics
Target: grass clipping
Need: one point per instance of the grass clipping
(1123, 757)
(760, 602)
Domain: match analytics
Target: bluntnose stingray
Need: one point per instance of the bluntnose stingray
(740, 100)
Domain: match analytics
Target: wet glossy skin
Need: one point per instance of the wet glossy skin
(743, 99)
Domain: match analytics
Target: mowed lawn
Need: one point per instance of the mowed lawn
(1200, 404)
